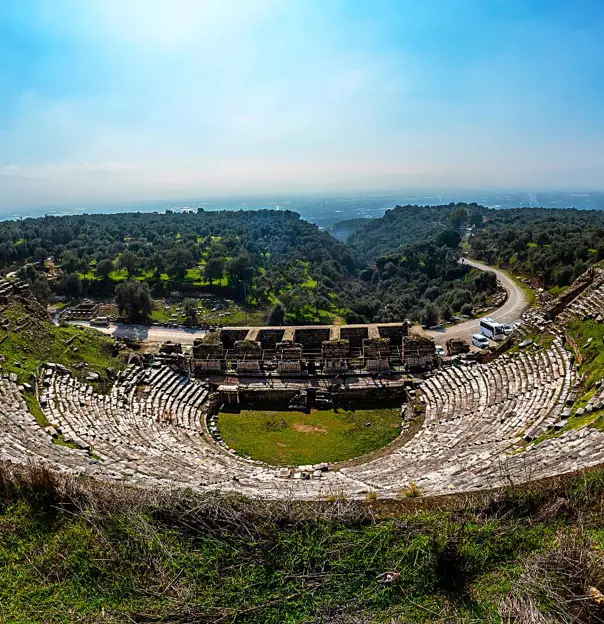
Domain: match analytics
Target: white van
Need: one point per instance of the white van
(480, 341)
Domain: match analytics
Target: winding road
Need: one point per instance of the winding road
(515, 304)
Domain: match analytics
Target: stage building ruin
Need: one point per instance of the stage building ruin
(328, 350)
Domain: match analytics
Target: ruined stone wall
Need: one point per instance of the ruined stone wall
(335, 349)
(247, 349)
(269, 338)
(376, 348)
(230, 335)
(394, 333)
(311, 338)
(354, 334)
(207, 350)
(418, 352)
(289, 351)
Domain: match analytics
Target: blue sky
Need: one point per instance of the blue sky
(136, 99)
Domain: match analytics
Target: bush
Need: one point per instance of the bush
(467, 309)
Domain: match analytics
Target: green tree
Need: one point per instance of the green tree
(366, 275)
(40, 254)
(429, 315)
(69, 263)
(73, 286)
(214, 269)
(276, 315)
(133, 300)
(104, 268)
(446, 312)
(240, 271)
(129, 262)
(190, 309)
(466, 309)
(459, 217)
(181, 259)
(240, 268)
(449, 238)
(475, 218)
(41, 290)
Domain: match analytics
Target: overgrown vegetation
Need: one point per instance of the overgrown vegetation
(80, 551)
(32, 340)
(296, 438)
(588, 337)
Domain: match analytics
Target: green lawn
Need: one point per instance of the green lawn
(294, 438)
(196, 277)
(161, 315)
(236, 317)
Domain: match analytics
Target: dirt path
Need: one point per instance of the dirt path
(150, 333)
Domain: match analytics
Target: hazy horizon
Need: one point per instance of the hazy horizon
(149, 100)
(323, 209)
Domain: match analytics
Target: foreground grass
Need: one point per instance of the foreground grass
(294, 438)
(80, 552)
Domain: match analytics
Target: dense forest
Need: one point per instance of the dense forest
(269, 260)
(553, 245)
(424, 282)
(404, 225)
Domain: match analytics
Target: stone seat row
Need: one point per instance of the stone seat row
(589, 303)
(466, 390)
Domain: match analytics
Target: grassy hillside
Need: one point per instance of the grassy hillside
(84, 552)
(30, 338)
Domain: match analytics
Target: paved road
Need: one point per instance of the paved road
(516, 303)
(151, 333)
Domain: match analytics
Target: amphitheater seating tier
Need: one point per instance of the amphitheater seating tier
(150, 430)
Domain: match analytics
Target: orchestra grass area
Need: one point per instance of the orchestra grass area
(296, 438)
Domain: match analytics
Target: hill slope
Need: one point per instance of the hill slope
(407, 224)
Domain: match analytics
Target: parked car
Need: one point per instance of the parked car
(480, 341)
(99, 321)
(440, 351)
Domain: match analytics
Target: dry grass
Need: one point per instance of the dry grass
(561, 586)
(411, 491)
